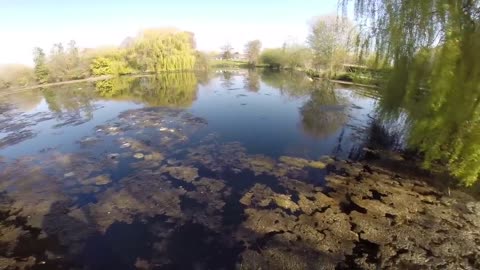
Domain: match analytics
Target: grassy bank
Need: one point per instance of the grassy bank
(365, 77)
(233, 64)
(9, 91)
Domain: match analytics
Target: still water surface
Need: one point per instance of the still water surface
(168, 172)
(280, 114)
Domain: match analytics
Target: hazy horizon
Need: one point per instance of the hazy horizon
(28, 24)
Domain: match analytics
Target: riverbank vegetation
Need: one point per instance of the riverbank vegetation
(290, 56)
(423, 58)
(328, 48)
(324, 53)
(432, 47)
(151, 51)
(329, 51)
(15, 75)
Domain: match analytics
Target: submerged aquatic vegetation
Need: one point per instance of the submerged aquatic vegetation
(198, 197)
(317, 164)
(294, 161)
(187, 174)
(221, 194)
(97, 180)
(300, 162)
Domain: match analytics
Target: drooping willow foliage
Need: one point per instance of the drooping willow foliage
(164, 50)
(433, 50)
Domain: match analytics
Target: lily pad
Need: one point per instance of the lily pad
(294, 161)
(138, 155)
(317, 164)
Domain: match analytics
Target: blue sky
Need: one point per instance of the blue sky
(25, 24)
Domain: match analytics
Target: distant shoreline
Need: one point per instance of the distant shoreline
(355, 84)
(9, 91)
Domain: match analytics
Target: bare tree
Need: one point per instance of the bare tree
(252, 50)
(330, 39)
(227, 51)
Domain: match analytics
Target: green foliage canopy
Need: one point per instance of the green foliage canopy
(111, 62)
(164, 50)
(433, 47)
(203, 61)
(40, 68)
(290, 56)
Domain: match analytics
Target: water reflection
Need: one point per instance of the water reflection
(26, 100)
(73, 105)
(294, 84)
(226, 79)
(248, 106)
(325, 112)
(252, 81)
(169, 89)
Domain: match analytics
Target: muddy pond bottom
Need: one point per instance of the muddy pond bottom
(226, 171)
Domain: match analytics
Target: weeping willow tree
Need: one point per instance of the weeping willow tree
(165, 89)
(433, 49)
(164, 50)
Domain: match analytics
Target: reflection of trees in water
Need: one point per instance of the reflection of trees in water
(115, 87)
(252, 81)
(204, 77)
(25, 100)
(227, 79)
(325, 112)
(291, 83)
(71, 100)
(167, 89)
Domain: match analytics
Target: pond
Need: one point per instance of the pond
(225, 170)
(277, 115)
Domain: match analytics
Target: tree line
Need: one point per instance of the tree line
(151, 51)
(157, 50)
(329, 45)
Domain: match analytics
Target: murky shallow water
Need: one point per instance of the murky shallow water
(235, 170)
